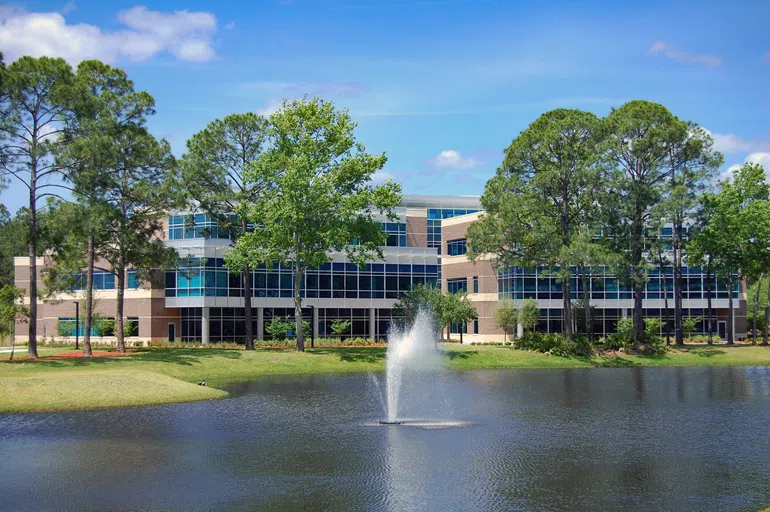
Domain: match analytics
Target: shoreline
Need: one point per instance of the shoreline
(156, 376)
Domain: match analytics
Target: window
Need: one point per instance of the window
(132, 327)
(457, 285)
(475, 326)
(102, 281)
(396, 232)
(133, 280)
(456, 247)
(194, 226)
(475, 284)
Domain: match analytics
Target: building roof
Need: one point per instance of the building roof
(433, 201)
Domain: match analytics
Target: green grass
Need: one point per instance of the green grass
(67, 383)
(66, 390)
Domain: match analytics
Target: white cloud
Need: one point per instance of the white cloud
(271, 108)
(762, 158)
(451, 159)
(729, 143)
(185, 35)
(380, 177)
(674, 53)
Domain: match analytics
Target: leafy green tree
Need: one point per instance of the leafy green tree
(659, 253)
(322, 197)
(546, 189)
(506, 317)
(33, 106)
(529, 314)
(12, 310)
(638, 151)
(692, 163)
(421, 297)
(652, 327)
(340, 328)
(689, 325)
(213, 176)
(739, 230)
(104, 105)
(278, 329)
(457, 309)
(700, 249)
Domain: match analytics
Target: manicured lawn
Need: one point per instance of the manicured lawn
(152, 376)
(65, 390)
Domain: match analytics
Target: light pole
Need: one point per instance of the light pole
(312, 327)
(77, 323)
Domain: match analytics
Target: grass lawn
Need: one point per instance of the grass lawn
(65, 390)
(152, 376)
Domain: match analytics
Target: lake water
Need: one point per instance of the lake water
(579, 440)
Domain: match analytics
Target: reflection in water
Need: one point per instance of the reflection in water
(578, 440)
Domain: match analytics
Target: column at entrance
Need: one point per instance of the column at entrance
(373, 323)
(205, 326)
(314, 319)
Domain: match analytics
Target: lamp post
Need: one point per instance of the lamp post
(77, 323)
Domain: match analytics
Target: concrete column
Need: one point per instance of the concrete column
(314, 320)
(205, 326)
(373, 323)
(519, 330)
(260, 323)
(624, 313)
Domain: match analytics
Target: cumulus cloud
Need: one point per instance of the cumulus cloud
(451, 159)
(185, 35)
(380, 177)
(271, 108)
(729, 143)
(760, 157)
(664, 49)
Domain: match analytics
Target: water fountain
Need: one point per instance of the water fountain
(411, 353)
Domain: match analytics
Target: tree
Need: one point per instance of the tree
(322, 197)
(340, 328)
(659, 254)
(637, 149)
(506, 316)
(33, 106)
(278, 329)
(689, 324)
(692, 163)
(457, 309)
(213, 176)
(421, 297)
(701, 247)
(543, 193)
(739, 230)
(12, 310)
(529, 314)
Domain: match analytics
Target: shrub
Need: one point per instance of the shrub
(689, 324)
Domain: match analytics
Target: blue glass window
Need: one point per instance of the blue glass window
(456, 247)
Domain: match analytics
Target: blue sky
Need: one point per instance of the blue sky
(441, 86)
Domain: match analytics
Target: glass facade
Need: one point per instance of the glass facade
(545, 284)
(132, 280)
(227, 324)
(396, 232)
(456, 247)
(435, 216)
(199, 225)
(210, 278)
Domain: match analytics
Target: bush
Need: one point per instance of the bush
(554, 344)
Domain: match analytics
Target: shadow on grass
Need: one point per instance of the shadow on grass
(353, 354)
(465, 354)
(180, 356)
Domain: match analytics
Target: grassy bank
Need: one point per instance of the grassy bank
(155, 376)
(66, 390)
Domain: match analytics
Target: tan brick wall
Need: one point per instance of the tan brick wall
(416, 231)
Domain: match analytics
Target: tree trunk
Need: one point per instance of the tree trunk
(567, 302)
(461, 336)
(678, 335)
(730, 313)
(247, 307)
(638, 311)
(298, 307)
(32, 251)
(121, 342)
(89, 309)
(587, 303)
(708, 302)
(665, 293)
(767, 317)
(756, 311)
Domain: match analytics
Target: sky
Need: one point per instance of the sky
(441, 86)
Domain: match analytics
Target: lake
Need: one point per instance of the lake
(578, 440)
